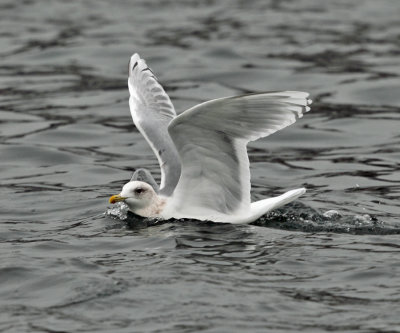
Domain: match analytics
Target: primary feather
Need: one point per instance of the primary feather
(152, 111)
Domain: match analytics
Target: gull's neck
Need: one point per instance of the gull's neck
(154, 209)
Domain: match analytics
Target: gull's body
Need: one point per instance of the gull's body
(202, 152)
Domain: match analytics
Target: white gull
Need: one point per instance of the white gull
(202, 152)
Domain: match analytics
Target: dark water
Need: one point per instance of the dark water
(67, 143)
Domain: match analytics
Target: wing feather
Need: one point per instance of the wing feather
(152, 111)
(211, 140)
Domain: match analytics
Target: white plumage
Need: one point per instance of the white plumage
(202, 152)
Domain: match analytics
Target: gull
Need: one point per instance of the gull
(202, 152)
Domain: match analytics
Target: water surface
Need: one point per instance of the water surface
(328, 262)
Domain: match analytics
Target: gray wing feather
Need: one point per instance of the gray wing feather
(211, 139)
(144, 175)
(152, 111)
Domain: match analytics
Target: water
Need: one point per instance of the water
(328, 262)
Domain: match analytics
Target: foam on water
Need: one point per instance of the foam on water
(118, 211)
(295, 216)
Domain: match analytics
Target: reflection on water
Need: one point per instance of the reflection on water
(328, 262)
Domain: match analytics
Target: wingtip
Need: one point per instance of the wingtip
(134, 62)
(135, 56)
(309, 102)
(302, 99)
(297, 94)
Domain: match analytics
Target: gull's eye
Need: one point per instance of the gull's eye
(138, 190)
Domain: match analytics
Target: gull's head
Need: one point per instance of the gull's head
(137, 195)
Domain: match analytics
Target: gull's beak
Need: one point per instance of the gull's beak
(116, 198)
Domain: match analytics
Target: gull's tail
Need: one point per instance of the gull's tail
(259, 208)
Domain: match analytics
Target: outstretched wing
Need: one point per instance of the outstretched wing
(211, 140)
(152, 111)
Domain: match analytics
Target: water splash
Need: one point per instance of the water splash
(298, 217)
(119, 211)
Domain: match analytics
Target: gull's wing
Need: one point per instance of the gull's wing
(211, 140)
(152, 111)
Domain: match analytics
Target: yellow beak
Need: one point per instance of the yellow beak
(116, 198)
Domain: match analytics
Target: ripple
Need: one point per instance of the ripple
(292, 217)
(328, 262)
